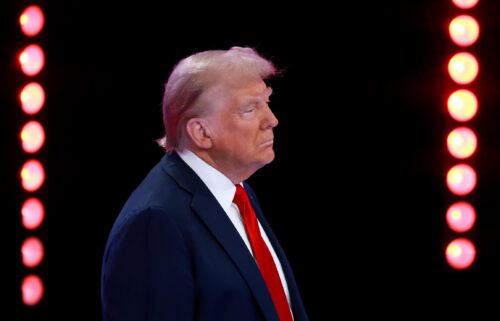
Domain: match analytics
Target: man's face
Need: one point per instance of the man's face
(242, 127)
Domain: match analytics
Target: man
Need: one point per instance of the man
(191, 242)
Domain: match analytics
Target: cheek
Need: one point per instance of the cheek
(241, 136)
(241, 142)
(247, 137)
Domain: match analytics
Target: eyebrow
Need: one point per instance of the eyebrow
(269, 92)
(257, 98)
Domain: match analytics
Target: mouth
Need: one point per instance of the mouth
(268, 143)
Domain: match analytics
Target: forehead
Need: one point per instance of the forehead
(230, 93)
(247, 90)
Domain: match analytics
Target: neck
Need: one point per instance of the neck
(226, 167)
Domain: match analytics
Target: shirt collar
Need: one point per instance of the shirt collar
(219, 184)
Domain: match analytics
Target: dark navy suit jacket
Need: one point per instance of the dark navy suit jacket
(174, 255)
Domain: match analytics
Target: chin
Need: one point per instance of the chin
(263, 158)
(269, 157)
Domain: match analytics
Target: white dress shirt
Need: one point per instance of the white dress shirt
(223, 190)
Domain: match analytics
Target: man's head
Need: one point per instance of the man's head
(216, 105)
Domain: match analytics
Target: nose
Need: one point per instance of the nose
(270, 120)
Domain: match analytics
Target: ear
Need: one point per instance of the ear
(199, 132)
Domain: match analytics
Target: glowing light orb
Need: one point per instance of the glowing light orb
(32, 175)
(32, 98)
(465, 4)
(461, 216)
(462, 142)
(32, 289)
(32, 60)
(32, 213)
(32, 252)
(32, 20)
(463, 68)
(461, 179)
(464, 30)
(462, 105)
(32, 136)
(460, 253)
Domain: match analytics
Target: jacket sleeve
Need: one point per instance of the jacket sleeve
(147, 273)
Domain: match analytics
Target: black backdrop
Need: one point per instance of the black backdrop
(356, 193)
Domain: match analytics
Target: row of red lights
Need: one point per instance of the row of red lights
(32, 99)
(461, 179)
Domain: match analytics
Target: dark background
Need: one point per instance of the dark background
(357, 192)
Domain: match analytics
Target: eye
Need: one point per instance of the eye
(250, 108)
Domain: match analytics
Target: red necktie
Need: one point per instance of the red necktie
(262, 255)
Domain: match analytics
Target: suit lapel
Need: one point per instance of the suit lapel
(211, 213)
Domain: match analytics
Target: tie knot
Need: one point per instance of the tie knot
(240, 196)
(244, 206)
